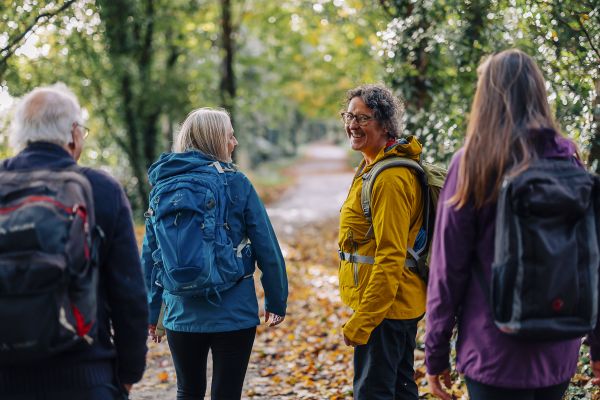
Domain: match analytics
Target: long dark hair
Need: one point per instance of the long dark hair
(510, 102)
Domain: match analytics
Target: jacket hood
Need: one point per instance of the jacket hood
(408, 147)
(171, 164)
(550, 144)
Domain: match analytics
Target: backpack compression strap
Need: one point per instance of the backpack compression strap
(413, 258)
(245, 241)
(220, 169)
(221, 172)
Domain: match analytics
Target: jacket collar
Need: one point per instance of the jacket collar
(40, 154)
(408, 147)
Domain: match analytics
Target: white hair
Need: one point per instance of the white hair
(46, 114)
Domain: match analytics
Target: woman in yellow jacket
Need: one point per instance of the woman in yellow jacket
(388, 298)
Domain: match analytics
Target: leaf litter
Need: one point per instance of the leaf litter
(305, 357)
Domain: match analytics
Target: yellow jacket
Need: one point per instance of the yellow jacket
(385, 289)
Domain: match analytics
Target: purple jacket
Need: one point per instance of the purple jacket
(464, 238)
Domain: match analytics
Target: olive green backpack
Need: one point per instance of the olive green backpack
(432, 179)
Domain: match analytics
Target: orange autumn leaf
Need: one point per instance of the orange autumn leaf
(163, 376)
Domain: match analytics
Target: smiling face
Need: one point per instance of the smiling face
(368, 139)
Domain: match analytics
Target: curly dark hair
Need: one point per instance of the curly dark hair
(388, 109)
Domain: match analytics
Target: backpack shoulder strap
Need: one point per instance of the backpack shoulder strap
(369, 179)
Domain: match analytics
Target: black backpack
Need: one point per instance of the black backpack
(48, 272)
(544, 281)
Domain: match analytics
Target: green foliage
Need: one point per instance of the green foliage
(432, 50)
(566, 35)
(139, 66)
(296, 60)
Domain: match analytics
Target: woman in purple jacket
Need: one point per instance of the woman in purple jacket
(510, 122)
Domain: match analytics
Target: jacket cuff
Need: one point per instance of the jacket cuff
(357, 332)
(437, 364)
(593, 340)
(278, 309)
(153, 315)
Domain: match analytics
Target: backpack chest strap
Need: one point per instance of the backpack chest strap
(356, 258)
(413, 262)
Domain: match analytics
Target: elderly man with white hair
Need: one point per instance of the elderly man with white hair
(48, 132)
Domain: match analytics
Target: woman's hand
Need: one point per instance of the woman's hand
(152, 333)
(436, 387)
(273, 319)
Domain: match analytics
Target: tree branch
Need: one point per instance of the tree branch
(566, 24)
(589, 39)
(12, 45)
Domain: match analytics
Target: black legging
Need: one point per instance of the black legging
(230, 355)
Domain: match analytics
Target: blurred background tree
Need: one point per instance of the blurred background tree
(281, 68)
(431, 50)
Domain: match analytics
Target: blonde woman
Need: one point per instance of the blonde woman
(206, 227)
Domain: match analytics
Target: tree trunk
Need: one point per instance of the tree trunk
(130, 37)
(414, 86)
(147, 109)
(475, 18)
(227, 85)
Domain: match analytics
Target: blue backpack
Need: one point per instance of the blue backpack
(188, 212)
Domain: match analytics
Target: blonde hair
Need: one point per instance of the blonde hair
(510, 101)
(205, 129)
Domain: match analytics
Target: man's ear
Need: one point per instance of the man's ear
(72, 141)
(71, 144)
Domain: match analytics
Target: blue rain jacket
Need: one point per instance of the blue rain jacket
(238, 307)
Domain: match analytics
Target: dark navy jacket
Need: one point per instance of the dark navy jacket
(121, 294)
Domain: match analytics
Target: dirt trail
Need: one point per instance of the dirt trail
(322, 180)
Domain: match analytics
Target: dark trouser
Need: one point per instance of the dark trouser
(100, 392)
(383, 368)
(480, 391)
(230, 355)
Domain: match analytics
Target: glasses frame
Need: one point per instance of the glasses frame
(86, 130)
(361, 119)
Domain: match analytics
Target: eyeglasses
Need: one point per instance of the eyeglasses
(361, 119)
(86, 130)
